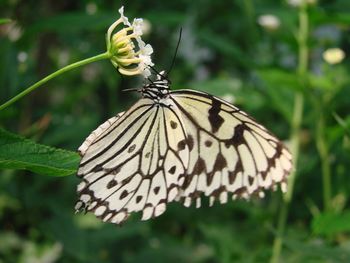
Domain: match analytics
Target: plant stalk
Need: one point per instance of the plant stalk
(302, 69)
(102, 56)
(322, 147)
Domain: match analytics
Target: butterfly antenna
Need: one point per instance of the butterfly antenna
(151, 81)
(177, 48)
(154, 69)
(163, 76)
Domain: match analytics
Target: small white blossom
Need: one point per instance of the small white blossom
(333, 55)
(14, 32)
(124, 19)
(22, 56)
(297, 3)
(137, 24)
(91, 8)
(146, 61)
(270, 22)
(294, 3)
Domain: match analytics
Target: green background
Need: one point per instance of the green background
(268, 72)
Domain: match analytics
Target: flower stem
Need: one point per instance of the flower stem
(102, 56)
(324, 155)
(248, 7)
(296, 126)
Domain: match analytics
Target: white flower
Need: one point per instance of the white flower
(297, 3)
(128, 52)
(137, 24)
(146, 61)
(270, 22)
(124, 19)
(294, 3)
(333, 55)
(91, 8)
(13, 31)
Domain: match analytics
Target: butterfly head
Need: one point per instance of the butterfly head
(158, 89)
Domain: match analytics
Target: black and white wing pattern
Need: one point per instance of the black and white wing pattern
(176, 146)
(229, 151)
(134, 162)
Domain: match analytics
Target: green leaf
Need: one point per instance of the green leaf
(169, 18)
(19, 153)
(277, 77)
(225, 47)
(321, 82)
(340, 18)
(280, 85)
(5, 21)
(315, 251)
(331, 223)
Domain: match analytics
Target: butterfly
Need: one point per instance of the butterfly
(176, 146)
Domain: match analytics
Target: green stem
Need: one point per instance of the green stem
(53, 75)
(295, 142)
(296, 126)
(325, 165)
(248, 6)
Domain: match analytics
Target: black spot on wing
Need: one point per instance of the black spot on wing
(131, 148)
(156, 190)
(172, 170)
(173, 124)
(214, 118)
(190, 142)
(271, 162)
(208, 143)
(111, 184)
(181, 145)
(251, 180)
(198, 168)
(97, 168)
(238, 168)
(240, 191)
(138, 199)
(220, 162)
(237, 137)
(219, 165)
(124, 194)
(218, 191)
(116, 170)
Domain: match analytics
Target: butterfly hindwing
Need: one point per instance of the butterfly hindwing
(229, 151)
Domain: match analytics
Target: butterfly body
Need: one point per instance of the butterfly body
(176, 146)
(157, 90)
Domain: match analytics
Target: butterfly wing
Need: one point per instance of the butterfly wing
(134, 162)
(229, 151)
(96, 133)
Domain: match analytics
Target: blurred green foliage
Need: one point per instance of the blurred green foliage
(228, 50)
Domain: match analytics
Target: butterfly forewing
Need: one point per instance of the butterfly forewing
(134, 162)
